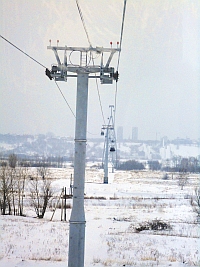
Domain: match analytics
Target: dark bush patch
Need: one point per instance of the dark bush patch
(68, 206)
(155, 225)
(101, 198)
(130, 165)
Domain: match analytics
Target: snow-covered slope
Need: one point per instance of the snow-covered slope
(113, 211)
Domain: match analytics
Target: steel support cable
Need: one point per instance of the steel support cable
(23, 52)
(83, 22)
(121, 35)
(99, 95)
(116, 89)
(120, 46)
(65, 99)
(40, 65)
(84, 26)
(99, 100)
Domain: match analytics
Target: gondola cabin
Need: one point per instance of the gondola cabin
(112, 149)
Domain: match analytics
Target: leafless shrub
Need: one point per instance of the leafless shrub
(155, 225)
(123, 219)
(12, 184)
(12, 160)
(114, 198)
(101, 198)
(41, 192)
(96, 260)
(195, 201)
(165, 176)
(182, 180)
(6, 188)
(68, 206)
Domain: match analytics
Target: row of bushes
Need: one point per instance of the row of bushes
(155, 165)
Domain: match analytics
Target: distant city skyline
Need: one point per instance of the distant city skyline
(159, 81)
(121, 139)
(43, 146)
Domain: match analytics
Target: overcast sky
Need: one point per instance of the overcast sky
(158, 88)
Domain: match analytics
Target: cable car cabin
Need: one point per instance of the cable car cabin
(112, 149)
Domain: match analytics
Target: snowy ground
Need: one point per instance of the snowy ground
(113, 211)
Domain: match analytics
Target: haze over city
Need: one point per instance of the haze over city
(158, 87)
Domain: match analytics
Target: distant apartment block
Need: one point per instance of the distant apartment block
(120, 134)
(134, 133)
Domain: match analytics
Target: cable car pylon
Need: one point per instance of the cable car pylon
(83, 69)
(109, 153)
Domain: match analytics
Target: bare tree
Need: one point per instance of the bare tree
(12, 160)
(12, 183)
(20, 183)
(13, 189)
(182, 179)
(6, 185)
(195, 201)
(43, 172)
(41, 192)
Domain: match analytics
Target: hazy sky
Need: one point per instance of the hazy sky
(158, 89)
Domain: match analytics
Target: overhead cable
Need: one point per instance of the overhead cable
(40, 65)
(99, 95)
(83, 22)
(100, 101)
(115, 101)
(121, 35)
(65, 99)
(120, 47)
(23, 52)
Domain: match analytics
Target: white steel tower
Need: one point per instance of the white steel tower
(109, 154)
(83, 70)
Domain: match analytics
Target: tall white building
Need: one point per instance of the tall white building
(120, 134)
(134, 133)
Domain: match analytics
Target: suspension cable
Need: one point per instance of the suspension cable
(65, 99)
(100, 100)
(23, 52)
(120, 46)
(99, 94)
(84, 26)
(115, 101)
(40, 65)
(83, 22)
(121, 35)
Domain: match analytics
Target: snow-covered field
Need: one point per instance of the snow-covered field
(113, 212)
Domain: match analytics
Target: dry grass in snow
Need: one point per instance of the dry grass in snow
(113, 213)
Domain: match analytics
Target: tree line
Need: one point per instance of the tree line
(176, 165)
(16, 181)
